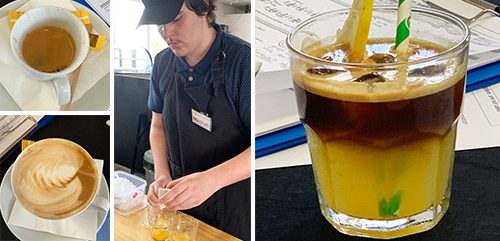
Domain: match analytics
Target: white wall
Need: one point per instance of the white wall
(237, 20)
(223, 9)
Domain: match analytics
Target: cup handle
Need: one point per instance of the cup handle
(100, 203)
(62, 88)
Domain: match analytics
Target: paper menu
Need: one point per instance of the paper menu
(102, 7)
(479, 124)
(285, 14)
(485, 35)
(271, 49)
(14, 128)
(275, 18)
(461, 8)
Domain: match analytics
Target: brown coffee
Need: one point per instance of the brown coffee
(55, 179)
(381, 124)
(49, 49)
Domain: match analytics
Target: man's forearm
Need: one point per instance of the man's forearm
(234, 170)
(159, 147)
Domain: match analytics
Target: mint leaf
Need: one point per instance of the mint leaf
(391, 207)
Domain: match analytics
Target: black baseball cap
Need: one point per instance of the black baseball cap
(160, 11)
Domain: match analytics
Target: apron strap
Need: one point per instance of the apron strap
(172, 67)
(218, 67)
(218, 70)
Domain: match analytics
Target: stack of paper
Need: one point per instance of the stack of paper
(102, 7)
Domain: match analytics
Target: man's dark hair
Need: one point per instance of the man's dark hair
(202, 9)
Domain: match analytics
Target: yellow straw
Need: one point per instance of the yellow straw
(361, 38)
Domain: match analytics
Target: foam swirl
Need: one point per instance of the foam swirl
(55, 179)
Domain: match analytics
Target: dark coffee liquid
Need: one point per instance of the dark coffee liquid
(49, 49)
(383, 123)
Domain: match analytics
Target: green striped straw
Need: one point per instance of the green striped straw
(403, 31)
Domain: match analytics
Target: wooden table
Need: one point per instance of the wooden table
(129, 227)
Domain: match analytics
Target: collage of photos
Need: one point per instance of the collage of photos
(253, 120)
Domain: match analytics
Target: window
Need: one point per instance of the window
(134, 48)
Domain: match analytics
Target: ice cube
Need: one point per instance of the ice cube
(328, 57)
(126, 202)
(123, 185)
(381, 58)
(322, 70)
(370, 78)
(427, 70)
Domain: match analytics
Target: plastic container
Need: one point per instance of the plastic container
(129, 193)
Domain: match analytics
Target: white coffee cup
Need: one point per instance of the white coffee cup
(49, 151)
(61, 18)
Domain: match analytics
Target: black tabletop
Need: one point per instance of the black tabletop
(287, 208)
(90, 132)
(4, 2)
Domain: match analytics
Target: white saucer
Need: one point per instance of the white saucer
(96, 98)
(7, 200)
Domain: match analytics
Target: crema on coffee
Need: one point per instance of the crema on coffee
(55, 178)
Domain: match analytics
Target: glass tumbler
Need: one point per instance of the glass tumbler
(381, 135)
(158, 221)
(182, 227)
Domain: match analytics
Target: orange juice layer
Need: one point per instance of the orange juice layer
(382, 183)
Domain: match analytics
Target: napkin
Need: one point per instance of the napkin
(32, 94)
(161, 192)
(81, 226)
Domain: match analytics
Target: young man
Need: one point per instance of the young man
(200, 130)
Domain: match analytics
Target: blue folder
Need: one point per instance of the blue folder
(84, 3)
(283, 139)
(279, 140)
(483, 76)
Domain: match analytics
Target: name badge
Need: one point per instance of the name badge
(201, 120)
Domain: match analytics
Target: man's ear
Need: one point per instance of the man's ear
(207, 2)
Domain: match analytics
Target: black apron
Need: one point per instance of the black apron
(193, 149)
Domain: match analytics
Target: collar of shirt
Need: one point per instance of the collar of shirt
(204, 64)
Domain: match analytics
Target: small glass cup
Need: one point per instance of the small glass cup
(158, 221)
(182, 228)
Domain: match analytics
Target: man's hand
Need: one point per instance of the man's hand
(189, 191)
(160, 182)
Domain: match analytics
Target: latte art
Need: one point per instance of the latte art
(55, 179)
(53, 176)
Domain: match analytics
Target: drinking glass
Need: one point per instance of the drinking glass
(158, 221)
(381, 135)
(182, 227)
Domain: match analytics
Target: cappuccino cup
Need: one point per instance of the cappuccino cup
(56, 179)
(50, 43)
